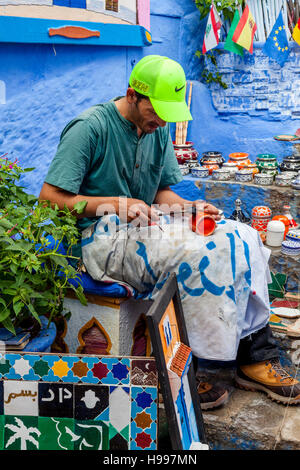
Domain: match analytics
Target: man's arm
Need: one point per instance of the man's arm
(127, 208)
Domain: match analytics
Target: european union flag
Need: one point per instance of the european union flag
(277, 45)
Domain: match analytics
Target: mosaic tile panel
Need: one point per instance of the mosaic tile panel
(77, 402)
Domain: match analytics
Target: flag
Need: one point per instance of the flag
(229, 44)
(277, 45)
(245, 30)
(296, 32)
(211, 36)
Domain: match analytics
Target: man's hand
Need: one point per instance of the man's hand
(208, 208)
(136, 210)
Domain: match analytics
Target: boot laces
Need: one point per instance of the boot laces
(277, 368)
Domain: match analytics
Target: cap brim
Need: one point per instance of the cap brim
(171, 111)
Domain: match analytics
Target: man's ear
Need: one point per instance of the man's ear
(130, 95)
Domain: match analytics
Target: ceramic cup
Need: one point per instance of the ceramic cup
(202, 224)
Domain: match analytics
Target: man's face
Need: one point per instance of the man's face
(145, 117)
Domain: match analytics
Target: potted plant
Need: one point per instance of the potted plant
(33, 278)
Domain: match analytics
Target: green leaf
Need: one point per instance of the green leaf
(80, 206)
(8, 324)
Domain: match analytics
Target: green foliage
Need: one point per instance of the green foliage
(211, 74)
(33, 278)
(225, 7)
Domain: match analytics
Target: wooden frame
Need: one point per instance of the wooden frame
(168, 303)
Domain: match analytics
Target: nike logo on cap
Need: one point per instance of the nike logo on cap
(178, 89)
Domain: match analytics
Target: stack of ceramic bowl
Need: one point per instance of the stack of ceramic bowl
(267, 163)
(199, 172)
(290, 163)
(221, 174)
(291, 244)
(244, 176)
(252, 167)
(185, 153)
(240, 159)
(231, 167)
(263, 179)
(261, 216)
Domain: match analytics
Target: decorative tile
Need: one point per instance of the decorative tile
(21, 433)
(20, 398)
(144, 372)
(56, 433)
(91, 435)
(56, 400)
(77, 402)
(90, 401)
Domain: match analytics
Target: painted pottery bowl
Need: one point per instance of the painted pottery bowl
(290, 174)
(283, 180)
(238, 156)
(184, 169)
(290, 164)
(290, 247)
(251, 166)
(212, 156)
(221, 174)
(295, 183)
(293, 235)
(261, 216)
(267, 157)
(270, 171)
(193, 164)
(243, 176)
(200, 172)
(263, 179)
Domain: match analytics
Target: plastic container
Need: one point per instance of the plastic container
(275, 233)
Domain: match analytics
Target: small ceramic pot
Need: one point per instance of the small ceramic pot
(200, 172)
(212, 156)
(252, 167)
(263, 179)
(185, 152)
(296, 183)
(290, 247)
(291, 174)
(202, 224)
(193, 164)
(232, 167)
(285, 221)
(275, 233)
(184, 169)
(293, 235)
(261, 216)
(240, 159)
(244, 176)
(283, 180)
(290, 163)
(221, 174)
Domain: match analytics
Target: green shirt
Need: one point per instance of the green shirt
(100, 154)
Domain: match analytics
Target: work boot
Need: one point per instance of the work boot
(211, 396)
(269, 377)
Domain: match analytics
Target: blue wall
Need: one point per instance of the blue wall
(46, 86)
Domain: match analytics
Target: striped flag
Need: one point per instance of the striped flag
(245, 30)
(211, 37)
(296, 33)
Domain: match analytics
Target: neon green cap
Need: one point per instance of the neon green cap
(163, 81)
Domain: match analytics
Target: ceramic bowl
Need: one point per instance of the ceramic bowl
(212, 156)
(221, 175)
(231, 167)
(193, 164)
(200, 172)
(267, 157)
(238, 156)
(243, 176)
(295, 183)
(290, 247)
(184, 169)
(283, 180)
(293, 235)
(263, 179)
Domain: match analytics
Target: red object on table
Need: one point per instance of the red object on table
(202, 224)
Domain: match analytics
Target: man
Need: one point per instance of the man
(119, 158)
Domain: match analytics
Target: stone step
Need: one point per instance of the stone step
(248, 421)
